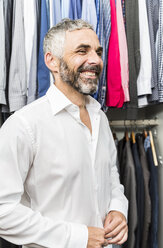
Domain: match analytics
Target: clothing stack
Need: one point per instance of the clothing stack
(138, 173)
(130, 32)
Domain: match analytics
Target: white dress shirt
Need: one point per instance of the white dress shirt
(145, 73)
(69, 177)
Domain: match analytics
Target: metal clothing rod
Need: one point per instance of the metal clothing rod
(132, 123)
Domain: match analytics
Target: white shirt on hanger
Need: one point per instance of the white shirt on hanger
(145, 73)
(68, 175)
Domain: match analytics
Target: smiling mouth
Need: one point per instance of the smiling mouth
(88, 74)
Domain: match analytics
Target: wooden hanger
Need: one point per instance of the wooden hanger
(126, 132)
(145, 133)
(153, 149)
(133, 137)
(114, 136)
(126, 135)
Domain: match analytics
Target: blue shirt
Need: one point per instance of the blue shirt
(65, 8)
(103, 32)
(42, 70)
(89, 12)
(75, 10)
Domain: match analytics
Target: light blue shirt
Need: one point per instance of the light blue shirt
(89, 12)
(56, 5)
(65, 8)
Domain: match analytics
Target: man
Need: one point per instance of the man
(59, 153)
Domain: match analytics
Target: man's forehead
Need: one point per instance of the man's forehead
(82, 36)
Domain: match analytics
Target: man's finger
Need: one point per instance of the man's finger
(113, 225)
(120, 238)
(115, 231)
(123, 239)
(105, 243)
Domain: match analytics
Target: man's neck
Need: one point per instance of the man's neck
(73, 95)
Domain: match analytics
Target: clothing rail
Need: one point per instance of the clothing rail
(134, 123)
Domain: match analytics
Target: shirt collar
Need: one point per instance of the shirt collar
(59, 101)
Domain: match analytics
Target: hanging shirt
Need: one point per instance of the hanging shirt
(145, 73)
(55, 17)
(71, 179)
(160, 53)
(32, 86)
(8, 15)
(153, 17)
(115, 94)
(2, 56)
(30, 32)
(65, 8)
(133, 44)
(18, 73)
(123, 51)
(89, 12)
(103, 32)
(42, 70)
(75, 10)
(124, 12)
(55, 12)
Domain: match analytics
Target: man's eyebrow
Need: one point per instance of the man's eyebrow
(83, 46)
(88, 46)
(99, 49)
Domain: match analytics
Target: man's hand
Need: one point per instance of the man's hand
(116, 229)
(96, 238)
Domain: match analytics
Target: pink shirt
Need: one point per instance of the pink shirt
(114, 94)
(123, 51)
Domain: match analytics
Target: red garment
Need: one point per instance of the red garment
(114, 94)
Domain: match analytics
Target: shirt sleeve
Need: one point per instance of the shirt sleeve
(118, 200)
(18, 223)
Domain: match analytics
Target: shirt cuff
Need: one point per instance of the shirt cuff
(117, 205)
(79, 236)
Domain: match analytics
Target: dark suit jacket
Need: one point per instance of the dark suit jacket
(153, 239)
(147, 199)
(127, 177)
(139, 195)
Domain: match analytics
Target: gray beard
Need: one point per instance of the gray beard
(84, 86)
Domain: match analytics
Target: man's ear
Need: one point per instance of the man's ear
(51, 62)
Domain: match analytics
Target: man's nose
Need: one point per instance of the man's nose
(94, 58)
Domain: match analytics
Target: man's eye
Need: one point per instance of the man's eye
(82, 51)
(99, 54)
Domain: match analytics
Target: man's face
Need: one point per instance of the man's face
(81, 64)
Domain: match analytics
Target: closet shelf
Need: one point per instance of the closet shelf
(134, 123)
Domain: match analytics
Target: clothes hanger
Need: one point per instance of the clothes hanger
(114, 136)
(145, 133)
(113, 133)
(133, 135)
(126, 132)
(153, 149)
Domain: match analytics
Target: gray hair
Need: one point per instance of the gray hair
(55, 37)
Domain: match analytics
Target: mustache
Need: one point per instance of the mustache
(93, 68)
